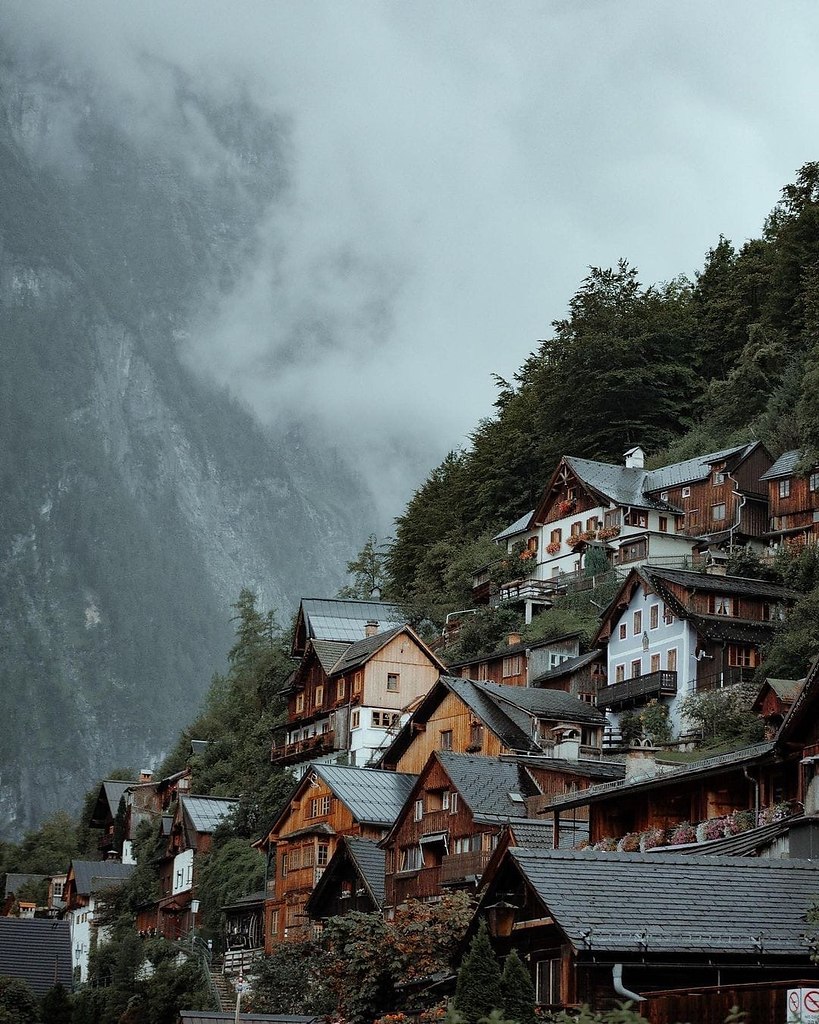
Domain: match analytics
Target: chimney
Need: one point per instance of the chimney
(371, 627)
(145, 775)
(512, 639)
(641, 763)
(635, 458)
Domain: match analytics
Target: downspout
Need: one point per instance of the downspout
(740, 507)
(755, 782)
(619, 987)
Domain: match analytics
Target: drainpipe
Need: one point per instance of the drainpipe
(755, 782)
(740, 506)
(619, 987)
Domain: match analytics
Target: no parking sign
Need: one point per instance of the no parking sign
(803, 1006)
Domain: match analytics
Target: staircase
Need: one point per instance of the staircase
(225, 991)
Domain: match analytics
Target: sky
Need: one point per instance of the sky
(452, 170)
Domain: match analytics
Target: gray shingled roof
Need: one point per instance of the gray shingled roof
(89, 874)
(607, 768)
(786, 689)
(370, 861)
(544, 703)
(15, 881)
(688, 471)
(784, 466)
(744, 844)
(566, 668)
(361, 651)
(114, 792)
(534, 833)
(372, 796)
(212, 1016)
(339, 619)
(519, 526)
(485, 784)
(329, 651)
(631, 902)
(622, 485)
(206, 813)
(37, 951)
(508, 725)
(693, 580)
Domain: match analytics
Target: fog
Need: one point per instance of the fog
(452, 169)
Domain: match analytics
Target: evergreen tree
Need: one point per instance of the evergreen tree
(517, 990)
(55, 1007)
(478, 989)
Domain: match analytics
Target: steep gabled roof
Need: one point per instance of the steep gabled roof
(632, 903)
(328, 652)
(206, 813)
(341, 619)
(37, 951)
(691, 470)
(360, 652)
(91, 875)
(552, 704)
(15, 881)
(567, 667)
(622, 485)
(492, 788)
(784, 466)
(110, 794)
(519, 526)
(373, 797)
(369, 862)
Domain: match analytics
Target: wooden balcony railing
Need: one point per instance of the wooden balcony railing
(289, 753)
(456, 867)
(414, 885)
(655, 684)
(728, 677)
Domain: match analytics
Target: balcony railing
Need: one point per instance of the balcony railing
(414, 885)
(655, 684)
(728, 677)
(523, 590)
(288, 753)
(456, 867)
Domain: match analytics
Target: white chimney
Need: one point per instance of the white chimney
(635, 458)
(371, 627)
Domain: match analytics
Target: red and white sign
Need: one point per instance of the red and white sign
(803, 1005)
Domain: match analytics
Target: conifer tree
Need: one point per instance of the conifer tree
(517, 991)
(478, 989)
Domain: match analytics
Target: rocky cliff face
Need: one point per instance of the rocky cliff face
(136, 499)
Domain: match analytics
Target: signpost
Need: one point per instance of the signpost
(803, 1005)
(240, 987)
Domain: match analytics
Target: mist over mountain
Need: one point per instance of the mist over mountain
(137, 498)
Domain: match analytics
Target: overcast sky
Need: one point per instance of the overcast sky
(455, 167)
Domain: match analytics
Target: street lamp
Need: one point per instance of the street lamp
(500, 918)
(194, 912)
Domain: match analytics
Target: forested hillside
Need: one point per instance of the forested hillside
(681, 368)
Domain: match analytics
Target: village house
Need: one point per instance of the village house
(104, 816)
(773, 702)
(582, 676)
(353, 881)
(519, 661)
(458, 810)
(328, 802)
(793, 501)
(345, 700)
(671, 632)
(190, 836)
(86, 883)
(467, 716)
(684, 512)
(601, 928)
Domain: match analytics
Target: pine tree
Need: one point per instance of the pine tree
(478, 989)
(517, 991)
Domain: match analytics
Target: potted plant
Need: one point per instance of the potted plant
(683, 834)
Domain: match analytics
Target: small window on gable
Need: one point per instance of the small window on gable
(418, 810)
(813, 482)
(686, 492)
(785, 488)
(392, 682)
(341, 689)
(319, 697)
(719, 476)
(637, 624)
(623, 631)
(663, 495)
(357, 680)
(299, 702)
(446, 739)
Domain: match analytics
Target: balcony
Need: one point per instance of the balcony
(524, 590)
(458, 867)
(303, 750)
(638, 690)
(728, 677)
(414, 885)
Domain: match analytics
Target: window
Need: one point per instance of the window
(719, 476)
(655, 663)
(654, 616)
(577, 528)
(686, 492)
(741, 656)
(663, 524)
(671, 660)
(592, 523)
(785, 488)
(612, 517)
(636, 518)
(341, 689)
(299, 703)
(636, 668)
(720, 604)
(320, 805)
(355, 719)
(446, 739)
(633, 552)
(56, 888)
(274, 923)
(307, 856)
(411, 858)
(668, 618)
(693, 517)
(547, 981)
(453, 803)
(718, 512)
(637, 624)
(619, 673)
(476, 735)
(383, 719)
(392, 682)
(483, 672)
(283, 865)
(322, 854)
(318, 698)
(556, 536)
(357, 680)
(512, 666)
(623, 631)
(813, 482)
(418, 810)
(532, 544)
(663, 495)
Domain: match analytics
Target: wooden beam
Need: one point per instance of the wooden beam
(538, 922)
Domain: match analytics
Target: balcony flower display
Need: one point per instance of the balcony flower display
(630, 843)
(682, 834)
(566, 507)
(553, 547)
(714, 828)
(652, 838)
(607, 532)
(575, 539)
(607, 845)
(776, 812)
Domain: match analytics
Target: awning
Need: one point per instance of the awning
(435, 837)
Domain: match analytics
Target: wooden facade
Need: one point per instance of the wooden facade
(793, 501)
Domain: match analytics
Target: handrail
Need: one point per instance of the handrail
(195, 946)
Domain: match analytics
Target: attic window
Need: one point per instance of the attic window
(516, 798)
(686, 492)
(719, 476)
(785, 488)
(663, 495)
(813, 482)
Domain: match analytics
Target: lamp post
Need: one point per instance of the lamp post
(500, 917)
(194, 912)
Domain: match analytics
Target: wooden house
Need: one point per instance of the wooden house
(672, 632)
(460, 807)
(328, 802)
(601, 928)
(774, 700)
(793, 501)
(104, 814)
(190, 835)
(582, 676)
(86, 882)
(353, 881)
(467, 716)
(345, 700)
(678, 514)
(244, 930)
(341, 620)
(798, 739)
(519, 661)
(148, 800)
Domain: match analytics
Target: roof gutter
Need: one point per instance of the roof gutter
(619, 987)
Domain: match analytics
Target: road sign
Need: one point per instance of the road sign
(803, 1005)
